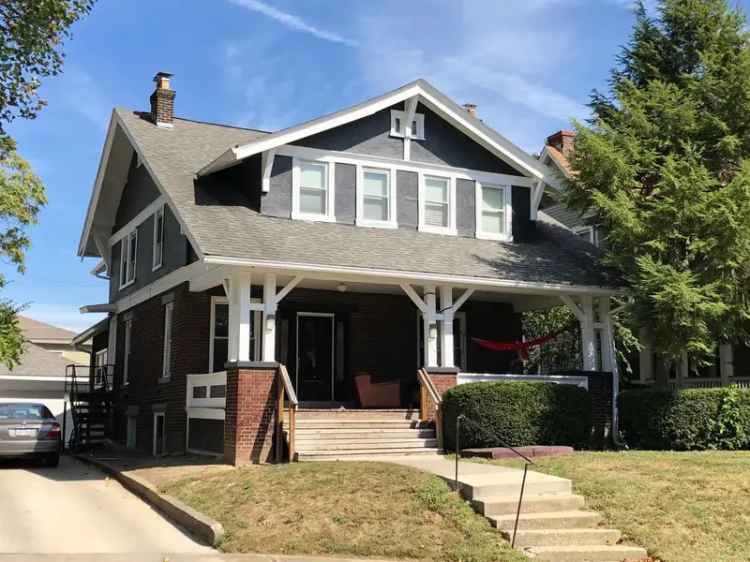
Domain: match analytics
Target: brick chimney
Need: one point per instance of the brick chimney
(162, 101)
(471, 109)
(564, 141)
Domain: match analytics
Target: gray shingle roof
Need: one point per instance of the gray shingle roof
(35, 330)
(229, 227)
(38, 362)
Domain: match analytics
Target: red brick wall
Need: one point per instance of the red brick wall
(442, 381)
(250, 411)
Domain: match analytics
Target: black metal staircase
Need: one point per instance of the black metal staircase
(90, 402)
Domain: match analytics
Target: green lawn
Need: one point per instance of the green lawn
(342, 508)
(682, 507)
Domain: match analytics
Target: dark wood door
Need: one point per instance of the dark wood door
(315, 356)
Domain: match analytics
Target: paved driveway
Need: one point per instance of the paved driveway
(76, 509)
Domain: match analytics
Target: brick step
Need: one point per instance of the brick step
(354, 433)
(480, 490)
(544, 503)
(590, 553)
(551, 520)
(356, 454)
(342, 445)
(563, 537)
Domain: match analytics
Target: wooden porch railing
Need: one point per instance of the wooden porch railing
(428, 391)
(285, 390)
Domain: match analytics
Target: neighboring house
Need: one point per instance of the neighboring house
(48, 351)
(732, 363)
(353, 249)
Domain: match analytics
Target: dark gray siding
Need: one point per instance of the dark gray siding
(176, 255)
(443, 144)
(407, 199)
(524, 229)
(139, 191)
(346, 193)
(278, 201)
(465, 207)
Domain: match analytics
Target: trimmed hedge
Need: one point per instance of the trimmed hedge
(517, 413)
(686, 420)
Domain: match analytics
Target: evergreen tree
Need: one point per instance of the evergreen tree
(664, 166)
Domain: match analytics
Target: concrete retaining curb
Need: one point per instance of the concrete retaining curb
(206, 529)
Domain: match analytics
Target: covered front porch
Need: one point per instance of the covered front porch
(355, 342)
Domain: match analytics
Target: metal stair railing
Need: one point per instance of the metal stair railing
(527, 462)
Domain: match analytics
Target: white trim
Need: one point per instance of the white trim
(406, 132)
(137, 220)
(60, 379)
(332, 317)
(164, 432)
(398, 277)
(256, 316)
(128, 262)
(375, 161)
(167, 336)
(330, 176)
(429, 96)
(157, 287)
(450, 228)
(267, 159)
(194, 413)
(154, 264)
(507, 234)
(361, 220)
(98, 308)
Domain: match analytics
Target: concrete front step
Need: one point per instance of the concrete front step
(355, 454)
(564, 537)
(551, 520)
(359, 444)
(481, 490)
(591, 553)
(506, 505)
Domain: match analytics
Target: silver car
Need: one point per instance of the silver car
(29, 429)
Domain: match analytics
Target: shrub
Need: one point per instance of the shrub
(685, 420)
(517, 413)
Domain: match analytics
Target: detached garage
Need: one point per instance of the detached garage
(41, 375)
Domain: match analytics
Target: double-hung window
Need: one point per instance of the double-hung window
(313, 190)
(376, 197)
(128, 255)
(437, 205)
(166, 364)
(158, 248)
(493, 211)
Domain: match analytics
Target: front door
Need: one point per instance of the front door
(315, 356)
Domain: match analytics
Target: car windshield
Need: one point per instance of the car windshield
(28, 412)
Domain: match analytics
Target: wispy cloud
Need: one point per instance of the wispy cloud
(293, 21)
(81, 94)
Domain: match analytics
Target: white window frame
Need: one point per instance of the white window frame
(128, 263)
(158, 255)
(506, 235)
(330, 214)
(451, 226)
(126, 352)
(361, 220)
(166, 360)
(399, 117)
(257, 317)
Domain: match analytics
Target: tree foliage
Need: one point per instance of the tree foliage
(663, 165)
(31, 37)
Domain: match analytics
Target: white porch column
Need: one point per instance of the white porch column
(605, 334)
(446, 326)
(269, 317)
(726, 363)
(239, 317)
(430, 327)
(588, 341)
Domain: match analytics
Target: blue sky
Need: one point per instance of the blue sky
(529, 65)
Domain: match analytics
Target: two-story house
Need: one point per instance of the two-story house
(352, 250)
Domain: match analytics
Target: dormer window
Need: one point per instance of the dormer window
(437, 204)
(312, 194)
(493, 206)
(398, 125)
(376, 197)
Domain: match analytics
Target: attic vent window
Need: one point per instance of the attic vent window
(398, 125)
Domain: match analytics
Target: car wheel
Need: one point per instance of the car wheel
(52, 460)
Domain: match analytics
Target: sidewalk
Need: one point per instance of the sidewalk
(150, 557)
